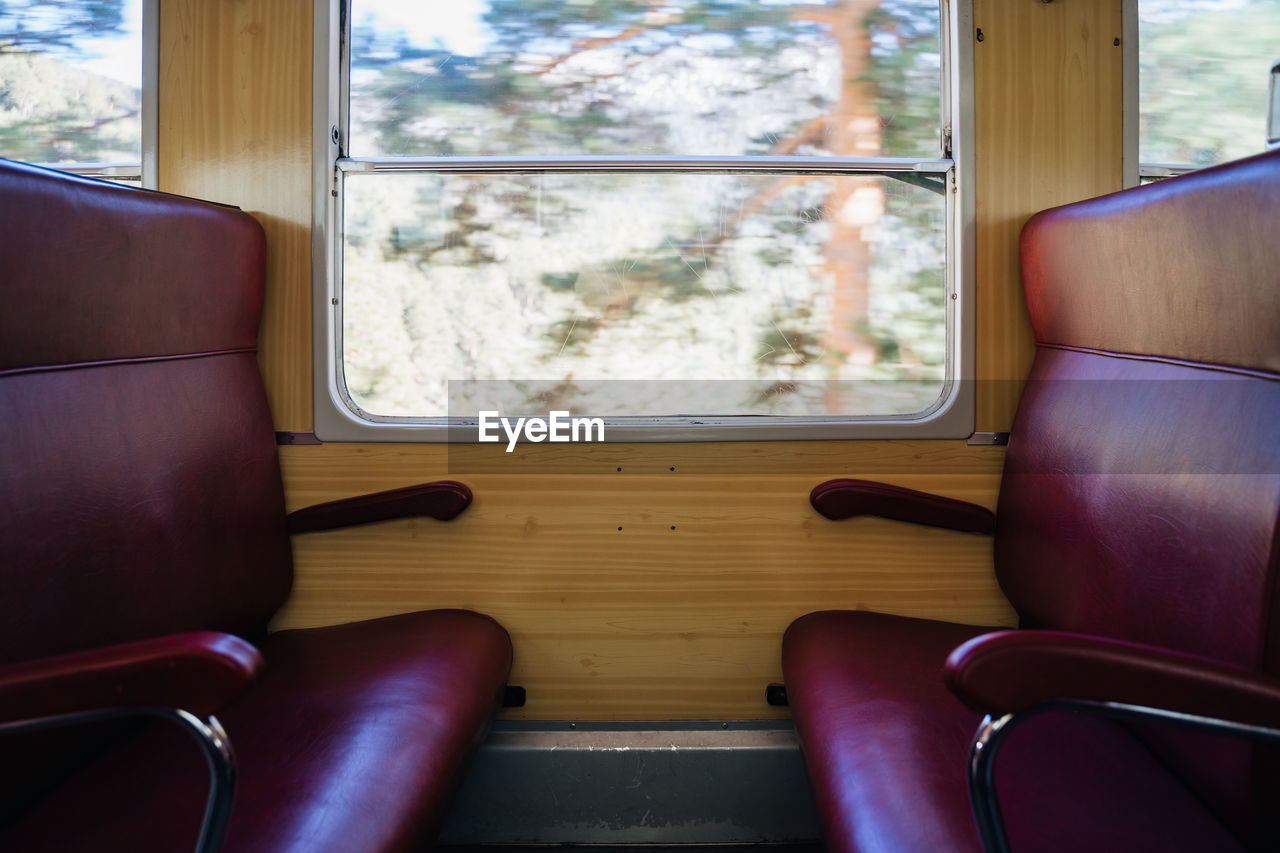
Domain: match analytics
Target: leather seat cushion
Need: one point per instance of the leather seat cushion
(352, 741)
(886, 745)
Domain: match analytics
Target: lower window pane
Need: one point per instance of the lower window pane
(812, 296)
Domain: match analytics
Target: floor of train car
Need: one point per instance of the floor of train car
(589, 785)
(638, 848)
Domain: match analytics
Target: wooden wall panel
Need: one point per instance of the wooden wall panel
(235, 127)
(646, 622)
(1049, 131)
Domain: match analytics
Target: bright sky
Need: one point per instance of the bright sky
(119, 57)
(459, 24)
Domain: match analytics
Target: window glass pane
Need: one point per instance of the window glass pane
(70, 80)
(703, 77)
(796, 283)
(1203, 78)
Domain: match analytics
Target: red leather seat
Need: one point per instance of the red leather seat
(1136, 536)
(142, 501)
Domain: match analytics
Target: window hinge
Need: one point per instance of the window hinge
(946, 141)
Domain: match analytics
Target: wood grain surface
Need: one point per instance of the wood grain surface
(1047, 98)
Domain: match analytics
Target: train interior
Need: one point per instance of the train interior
(718, 425)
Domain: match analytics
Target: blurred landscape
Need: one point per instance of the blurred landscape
(70, 77)
(814, 295)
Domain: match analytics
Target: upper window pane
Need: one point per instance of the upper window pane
(853, 78)
(1203, 78)
(70, 80)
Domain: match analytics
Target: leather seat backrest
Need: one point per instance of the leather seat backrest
(141, 489)
(1142, 483)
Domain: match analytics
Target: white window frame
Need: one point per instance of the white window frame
(335, 418)
(144, 170)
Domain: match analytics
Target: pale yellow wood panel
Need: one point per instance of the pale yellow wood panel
(647, 622)
(1049, 131)
(330, 471)
(235, 127)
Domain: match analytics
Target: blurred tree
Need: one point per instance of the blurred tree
(1203, 78)
(43, 24)
(51, 108)
(548, 83)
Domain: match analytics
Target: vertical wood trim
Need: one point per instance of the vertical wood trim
(235, 127)
(1048, 81)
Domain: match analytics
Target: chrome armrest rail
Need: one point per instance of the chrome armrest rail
(992, 732)
(215, 746)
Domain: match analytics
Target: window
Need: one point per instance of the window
(708, 219)
(1202, 81)
(71, 92)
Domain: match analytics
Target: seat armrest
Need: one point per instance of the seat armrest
(837, 499)
(1013, 671)
(443, 501)
(200, 673)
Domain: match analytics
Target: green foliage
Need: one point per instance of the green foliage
(51, 111)
(559, 281)
(518, 22)
(429, 101)
(1203, 78)
(572, 333)
(678, 273)
(904, 75)
(790, 339)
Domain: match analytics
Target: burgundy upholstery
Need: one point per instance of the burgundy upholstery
(1139, 503)
(443, 500)
(142, 491)
(346, 727)
(1009, 672)
(839, 499)
(142, 498)
(887, 746)
(201, 673)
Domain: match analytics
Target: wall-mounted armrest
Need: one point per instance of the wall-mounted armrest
(200, 673)
(837, 499)
(443, 500)
(1012, 671)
